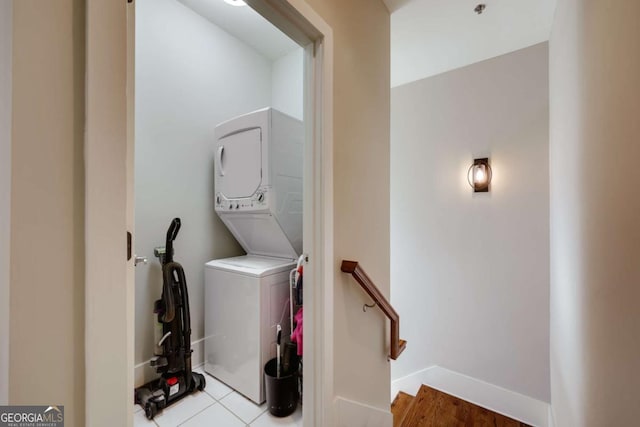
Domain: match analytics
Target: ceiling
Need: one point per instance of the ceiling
(430, 37)
(244, 24)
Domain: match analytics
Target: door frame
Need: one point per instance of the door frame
(109, 295)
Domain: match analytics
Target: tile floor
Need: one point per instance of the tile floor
(217, 406)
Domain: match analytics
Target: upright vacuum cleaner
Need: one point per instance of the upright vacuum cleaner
(173, 349)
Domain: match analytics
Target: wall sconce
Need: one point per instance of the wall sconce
(479, 175)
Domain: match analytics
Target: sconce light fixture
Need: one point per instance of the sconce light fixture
(479, 175)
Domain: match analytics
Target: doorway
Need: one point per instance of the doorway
(198, 64)
(109, 205)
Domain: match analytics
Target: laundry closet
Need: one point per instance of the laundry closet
(219, 142)
(258, 182)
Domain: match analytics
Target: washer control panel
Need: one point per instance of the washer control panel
(258, 201)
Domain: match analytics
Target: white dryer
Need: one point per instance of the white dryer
(258, 181)
(258, 196)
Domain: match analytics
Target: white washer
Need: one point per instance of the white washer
(245, 298)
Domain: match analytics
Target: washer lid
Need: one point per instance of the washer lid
(252, 265)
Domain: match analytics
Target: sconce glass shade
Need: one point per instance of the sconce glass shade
(479, 175)
(235, 2)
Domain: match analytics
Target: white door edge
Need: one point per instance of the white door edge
(109, 311)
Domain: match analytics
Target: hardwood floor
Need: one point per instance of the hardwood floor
(400, 406)
(433, 408)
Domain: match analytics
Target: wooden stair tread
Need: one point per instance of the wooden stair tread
(400, 407)
(433, 408)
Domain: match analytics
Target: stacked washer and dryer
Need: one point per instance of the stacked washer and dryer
(258, 196)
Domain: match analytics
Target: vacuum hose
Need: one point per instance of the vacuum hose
(167, 291)
(167, 295)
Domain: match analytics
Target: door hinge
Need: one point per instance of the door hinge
(128, 245)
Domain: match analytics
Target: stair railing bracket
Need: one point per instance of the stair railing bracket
(397, 345)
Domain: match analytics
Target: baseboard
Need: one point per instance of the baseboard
(143, 372)
(514, 405)
(551, 417)
(355, 414)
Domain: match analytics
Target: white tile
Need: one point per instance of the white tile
(137, 408)
(139, 420)
(243, 407)
(215, 388)
(268, 420)
(215, 415)
(183, 410)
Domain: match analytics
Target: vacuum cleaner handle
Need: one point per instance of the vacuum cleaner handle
(172, 233)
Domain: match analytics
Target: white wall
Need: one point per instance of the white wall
(470, 272)
(6, 15)
(190, 76)
(595, 233)
(287, 83)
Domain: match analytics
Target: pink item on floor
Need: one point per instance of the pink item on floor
(296, 336)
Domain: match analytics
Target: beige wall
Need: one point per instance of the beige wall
(361, 192)
(5, 189)
(595, 233)
(47, 207)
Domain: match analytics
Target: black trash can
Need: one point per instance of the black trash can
(282, 393)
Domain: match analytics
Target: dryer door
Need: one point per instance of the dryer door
(239, 163)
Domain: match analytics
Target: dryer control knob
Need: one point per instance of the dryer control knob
(261, 197)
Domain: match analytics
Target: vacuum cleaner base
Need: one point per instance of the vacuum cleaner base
(163, 392)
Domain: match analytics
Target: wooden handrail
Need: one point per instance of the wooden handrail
(397, 345)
